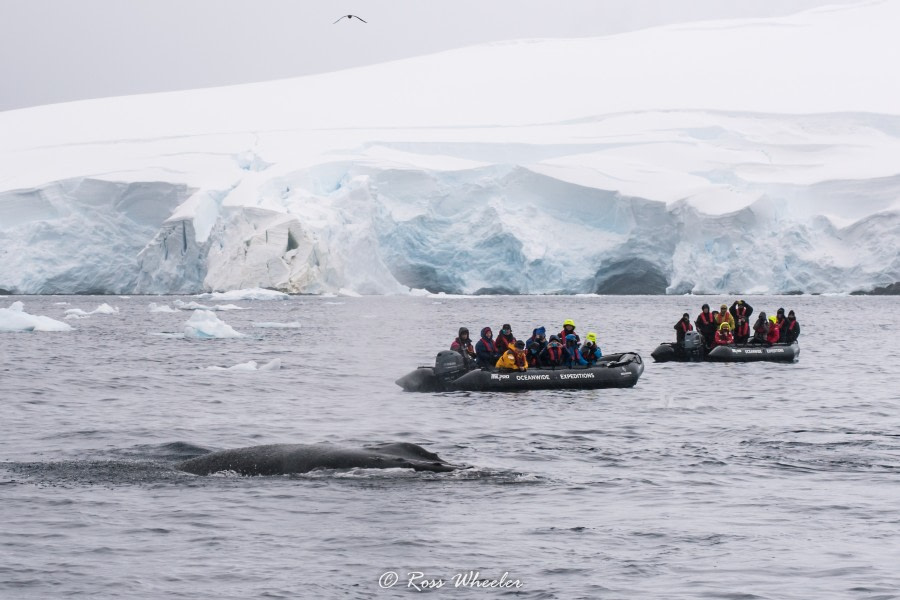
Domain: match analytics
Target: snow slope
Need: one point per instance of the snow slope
(731, 156)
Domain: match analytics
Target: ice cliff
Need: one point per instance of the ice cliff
(733, 156)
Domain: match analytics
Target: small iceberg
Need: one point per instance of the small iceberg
(161, 308)
(15, 318)
(272, 365)
(249, 294)
(197, 306)
(204, 325)
(267, 325)
(103, 309)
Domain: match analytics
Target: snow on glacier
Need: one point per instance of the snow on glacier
(637, 163)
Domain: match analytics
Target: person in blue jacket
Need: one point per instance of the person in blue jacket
(572, 355)
(486, 352)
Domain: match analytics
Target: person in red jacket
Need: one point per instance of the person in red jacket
(723, 335)
(741, 331)
(774, 331)
(682, 327)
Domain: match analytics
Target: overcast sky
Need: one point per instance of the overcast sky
(62, 50)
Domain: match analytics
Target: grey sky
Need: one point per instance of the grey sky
(62, 50)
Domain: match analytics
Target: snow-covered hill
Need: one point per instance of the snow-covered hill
(740, 156)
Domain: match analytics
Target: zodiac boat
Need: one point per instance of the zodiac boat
(450, 373)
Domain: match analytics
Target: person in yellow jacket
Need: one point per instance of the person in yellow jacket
(514, 359)
(724, 316)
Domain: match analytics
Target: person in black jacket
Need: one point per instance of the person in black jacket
(790, 331)
(682, 327)
(741, 309)
(706, 325)
(486, 349)
(760, 329)
(553, 354)
(505, 339)
(463, 345)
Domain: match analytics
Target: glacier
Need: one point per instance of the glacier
(744, 156)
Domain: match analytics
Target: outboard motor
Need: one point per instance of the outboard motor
(693, 345)
(449, 365)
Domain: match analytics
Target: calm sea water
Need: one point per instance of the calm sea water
(704, 481)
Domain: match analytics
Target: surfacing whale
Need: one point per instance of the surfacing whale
(281, 459)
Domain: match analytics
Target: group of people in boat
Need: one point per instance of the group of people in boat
(508, 353)
(731, 325)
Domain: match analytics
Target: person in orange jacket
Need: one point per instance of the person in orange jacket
(514, 358)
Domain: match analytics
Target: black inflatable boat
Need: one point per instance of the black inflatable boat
(693, 351)
(451, 374)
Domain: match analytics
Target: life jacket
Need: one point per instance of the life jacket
(705, 319)
(521, 358)
(574, 354)
(685, 327)
(489, 345)
(562, 334)
(774, 333)
(463, 348)
(555, 354)
(742, 330)
(740, 310)
(723, 339)
(503, 342)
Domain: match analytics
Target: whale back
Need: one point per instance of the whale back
(280, 459)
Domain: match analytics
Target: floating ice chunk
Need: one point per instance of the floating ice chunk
(191, 305)
(272, 365)
(248, 294)
(197, 306)
(15, 318)
(161, 308)
(204, 324)
(267, 325)
(228, 307)
(103, 309)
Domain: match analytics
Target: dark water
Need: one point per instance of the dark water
(704, 481)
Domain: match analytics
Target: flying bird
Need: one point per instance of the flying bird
(350, 17)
